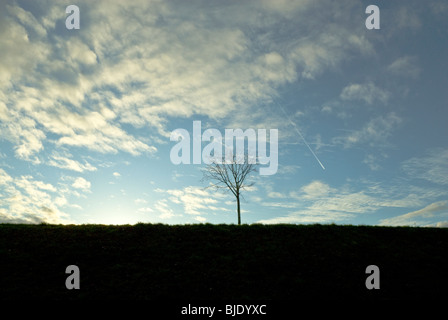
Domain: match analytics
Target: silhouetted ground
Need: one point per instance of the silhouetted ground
(254, 262)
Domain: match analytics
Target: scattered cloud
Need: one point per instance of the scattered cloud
(317, 202)
(27, 200)
(82, 91)
(439, 8)
(315, 189)
(437, 210)
(145, 210)
(277, 195)
(372, 162)
(163, 209)
(321, 203)
(375, 133)
(81, 183)
(64, 162)
(367, 92)
(431, 167)
(287, 169)
(286, 205)
(407, 17)
(405, 66)
(442, 224)
(120, 85)
(200, 219)
(196, 201)
(140, 201)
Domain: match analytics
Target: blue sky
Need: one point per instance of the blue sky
(86, 115)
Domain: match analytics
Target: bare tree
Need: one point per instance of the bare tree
(230, 176)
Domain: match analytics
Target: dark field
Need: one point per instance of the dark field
(222, 262)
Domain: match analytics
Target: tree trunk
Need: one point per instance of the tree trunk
(238, 206)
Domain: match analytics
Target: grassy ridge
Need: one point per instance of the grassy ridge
(222, 261)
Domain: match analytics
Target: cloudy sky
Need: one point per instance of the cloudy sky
(86, 115)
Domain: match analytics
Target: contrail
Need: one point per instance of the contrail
(301, 136)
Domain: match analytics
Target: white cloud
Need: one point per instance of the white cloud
(195, 200)
(431, 167)
(372, 161)
(18, 53)
(81, 53)
(145, 210)
(405, 66)
(375, 132)
(315, 189)
(26, 19)
(287, 169)
(317, 202)
(139, 66)
(309, 216)
(200, 219)
(439, 8)
(24, 134)
(96, 133)
(81, 183)
(163, 209)
(83, 91)
(60, 80)
(64, 162)
(28, 184)
(276, 195)
(367, 92)
(321, 203)
(116, 174)
(140, 201)
(407, 17)
(287, 205)
(26, 200)
(4, 177)
(436, 210)
(442, 224)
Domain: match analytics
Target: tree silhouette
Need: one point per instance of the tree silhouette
(230, 175)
